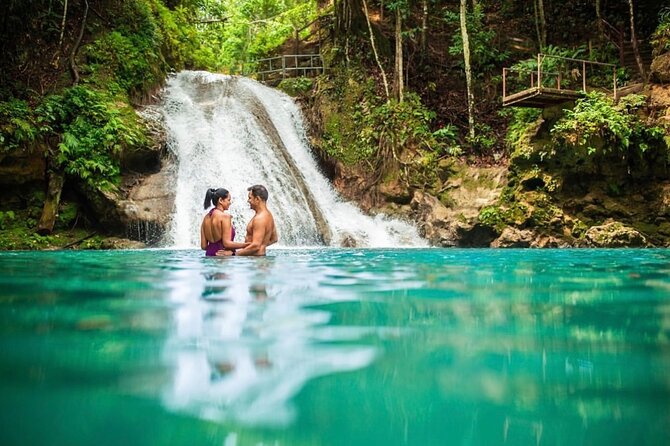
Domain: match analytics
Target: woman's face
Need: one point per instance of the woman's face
(225, 202)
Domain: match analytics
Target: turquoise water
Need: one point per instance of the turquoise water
(336, 347)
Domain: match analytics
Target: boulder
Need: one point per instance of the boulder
(660, 69)
(514, 238)
(614, 234)
(441, 227)
(141, 208)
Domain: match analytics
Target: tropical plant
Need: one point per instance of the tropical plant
(600, 126)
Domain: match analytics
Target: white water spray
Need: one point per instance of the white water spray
(225, 132)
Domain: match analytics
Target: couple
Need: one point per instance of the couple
(217, 234)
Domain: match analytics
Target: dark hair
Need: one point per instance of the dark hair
(259, 191)
(212, 196)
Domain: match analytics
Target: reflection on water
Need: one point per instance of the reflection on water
(244, 346)
(336, 346)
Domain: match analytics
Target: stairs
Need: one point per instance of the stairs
(620, 39)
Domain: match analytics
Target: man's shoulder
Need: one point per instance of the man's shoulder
(265, 215)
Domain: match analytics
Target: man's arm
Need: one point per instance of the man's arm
(226, 229)
(257, 236)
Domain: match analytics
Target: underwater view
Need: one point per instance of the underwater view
(335, 346)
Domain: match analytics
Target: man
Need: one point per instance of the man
(261, 231)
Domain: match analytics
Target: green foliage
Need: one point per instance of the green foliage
(484, 139)
(296, 86)
(134, 52)
(519, 130)
(598, 125)
(484, 54)
(92, 130)
(360, 126)
(237, 32)
(556, 64)
(492, 216)
(660, 41)
(401, 123)
(447, 136)
(17, 125)
(5, 218)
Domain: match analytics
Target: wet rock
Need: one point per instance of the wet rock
(441, 227)
(141, 209)
(121, 243)
(614, 234)
(514, 238)
(348, 241)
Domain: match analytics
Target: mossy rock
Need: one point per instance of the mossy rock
(614, 234)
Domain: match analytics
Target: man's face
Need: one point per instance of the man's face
(252, 201)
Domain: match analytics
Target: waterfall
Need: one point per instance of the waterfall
(233, 132)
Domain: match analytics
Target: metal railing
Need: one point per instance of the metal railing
(290, 65)
(539, 76)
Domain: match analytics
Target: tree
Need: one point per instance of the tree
(633, 40)
(468, 70)
(349, 20)
(540, 23)
(398, 75)
(399, 7)
(374, 50)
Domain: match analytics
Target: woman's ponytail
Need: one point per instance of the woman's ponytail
(212, 196)
(209, 197)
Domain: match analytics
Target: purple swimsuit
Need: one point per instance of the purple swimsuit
(213, 247)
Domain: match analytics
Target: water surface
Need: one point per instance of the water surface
(336, 347)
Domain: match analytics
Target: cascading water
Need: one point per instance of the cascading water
(232, 132)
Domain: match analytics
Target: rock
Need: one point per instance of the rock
(141, 210)
(514, 238)
(394, 192)
(614, 234)
(147, 158)
(660, 69)
(548, 241)
(22, 166)
(121, 243)
(443, 228)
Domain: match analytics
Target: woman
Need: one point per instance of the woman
(216, 231)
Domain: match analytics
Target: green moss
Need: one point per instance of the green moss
(579, 228)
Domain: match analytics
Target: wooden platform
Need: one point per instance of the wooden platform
(540, 97)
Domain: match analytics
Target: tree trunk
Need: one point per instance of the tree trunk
(543, 22)
(50, 209)
(468, 69)
(599, 17)
(62, 26)
(540, 25)
(633, 40)
(374, 50)
(424, 27)
(348, 18)
(399, 73)
(75, 48)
